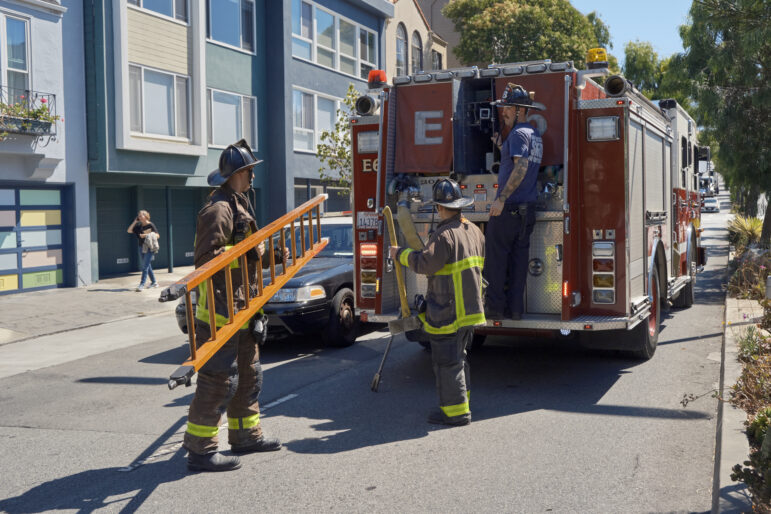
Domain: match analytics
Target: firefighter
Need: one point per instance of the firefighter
(453, 260)
(232, 379)
(512, 214)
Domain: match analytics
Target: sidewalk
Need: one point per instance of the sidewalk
(732, 447)
(30, 315)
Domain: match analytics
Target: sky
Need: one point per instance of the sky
(658, 22)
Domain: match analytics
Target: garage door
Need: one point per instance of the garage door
(187, 203)
(31, 239)
(118, 252)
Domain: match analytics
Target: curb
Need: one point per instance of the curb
(731, 445)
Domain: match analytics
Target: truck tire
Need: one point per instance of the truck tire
(343, 325)
(646, 333)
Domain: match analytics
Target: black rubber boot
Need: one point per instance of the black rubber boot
(437, 417)
(212, 462)
(260, 445)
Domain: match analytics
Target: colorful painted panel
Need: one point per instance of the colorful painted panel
(41, 258)
(7, 240)
(9, 282)
(7, 218)
(39, 197)
(41, 279)
(7, 197)
(8, 261)
(30, 218)
(41, 238)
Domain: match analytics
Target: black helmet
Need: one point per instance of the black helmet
(233, 159)
(447, 193)
(515, 95)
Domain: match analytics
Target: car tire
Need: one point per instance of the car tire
(343, 326)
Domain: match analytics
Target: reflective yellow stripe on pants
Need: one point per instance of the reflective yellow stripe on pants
(244, 423)
(202, 430)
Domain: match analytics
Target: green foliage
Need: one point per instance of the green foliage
(334, 150)
(499, 31)
(744, 231)
(601, 31)
(758, 426)
(750, 345)
(749, 279)
(658, 79)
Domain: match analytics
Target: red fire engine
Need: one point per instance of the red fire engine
(617, 231)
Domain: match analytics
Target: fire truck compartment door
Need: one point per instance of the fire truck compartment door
(424, 128)
(544, 274)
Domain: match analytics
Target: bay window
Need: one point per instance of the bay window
(159, 102)
(312, 114)
(323, 37)
(231, 22)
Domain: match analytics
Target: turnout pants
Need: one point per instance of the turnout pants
(229, 382)
(507, 248)
(451, 368)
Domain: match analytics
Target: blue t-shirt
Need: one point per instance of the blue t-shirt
(523, 141)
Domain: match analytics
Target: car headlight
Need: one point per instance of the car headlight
(299, 294)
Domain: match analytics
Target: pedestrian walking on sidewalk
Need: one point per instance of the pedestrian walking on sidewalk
(143, 228)
(231, 381)
(453, 260)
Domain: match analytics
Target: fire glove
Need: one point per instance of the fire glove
(260, 328)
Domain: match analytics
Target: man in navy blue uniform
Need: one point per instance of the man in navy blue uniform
(512, 214)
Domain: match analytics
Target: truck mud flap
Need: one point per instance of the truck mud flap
(702, 256)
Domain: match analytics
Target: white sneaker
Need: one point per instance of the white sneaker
(140, 288)
(154, 285)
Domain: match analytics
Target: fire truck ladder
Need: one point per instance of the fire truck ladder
(200, 354)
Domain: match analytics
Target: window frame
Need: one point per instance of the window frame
(139, 5)
(401, 30)
(315, 130)
(210, 39)
(209, 127)
(436, 57)
(175, 76)
(4, 67)
(416, 68)
(337, 53)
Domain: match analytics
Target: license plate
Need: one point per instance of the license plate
(366, 220)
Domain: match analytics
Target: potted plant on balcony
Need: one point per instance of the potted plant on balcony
(25, 117)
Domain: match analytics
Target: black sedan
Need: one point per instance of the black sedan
(319, 298)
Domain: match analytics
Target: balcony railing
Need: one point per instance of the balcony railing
(23, 111)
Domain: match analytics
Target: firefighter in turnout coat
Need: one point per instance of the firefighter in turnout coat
(231, 380)
(453, 260)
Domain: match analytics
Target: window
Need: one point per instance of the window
(401, 50)
(332, 41)
(417, 53)
(176, 9)
(232, 22)
(159, 102)
(436, 60)
(312, 114)
(15, 58)
(231, 117)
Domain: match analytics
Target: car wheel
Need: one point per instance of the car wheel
(343, 326)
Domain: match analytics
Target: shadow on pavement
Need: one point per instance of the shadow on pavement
(111, 290)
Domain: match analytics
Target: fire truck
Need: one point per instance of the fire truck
(617, 233)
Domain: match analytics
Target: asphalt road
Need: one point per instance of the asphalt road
(556, 428)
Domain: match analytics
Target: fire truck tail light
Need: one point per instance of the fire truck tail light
(368, 277)
(603, 280)
(368, 250)
(368, 262)
(565, 289)
(604, 296)
(604, 128)
(602, 249)
(602, 264)
(368, 290)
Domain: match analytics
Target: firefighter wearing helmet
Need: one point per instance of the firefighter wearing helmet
(231, 380)
(512, 214)
(453, 259)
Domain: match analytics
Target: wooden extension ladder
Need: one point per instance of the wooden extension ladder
(299, 217)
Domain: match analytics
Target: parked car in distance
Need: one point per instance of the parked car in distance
(711, 205)
(319, 298)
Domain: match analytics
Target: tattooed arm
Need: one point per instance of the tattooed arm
(515, 179)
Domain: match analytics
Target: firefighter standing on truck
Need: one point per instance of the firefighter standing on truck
(232, 379)
(512, 214)
(453, 260)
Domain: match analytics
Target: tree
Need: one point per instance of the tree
(498, 31)
(334, 150)
(601, 31)
(728, 54)
(642, 66)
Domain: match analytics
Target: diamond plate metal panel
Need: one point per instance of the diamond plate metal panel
(600, 104)
(543, 291)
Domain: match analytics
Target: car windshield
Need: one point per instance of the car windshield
(711, 201)
(340, 240)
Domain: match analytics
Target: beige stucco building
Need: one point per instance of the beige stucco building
(411, 45)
